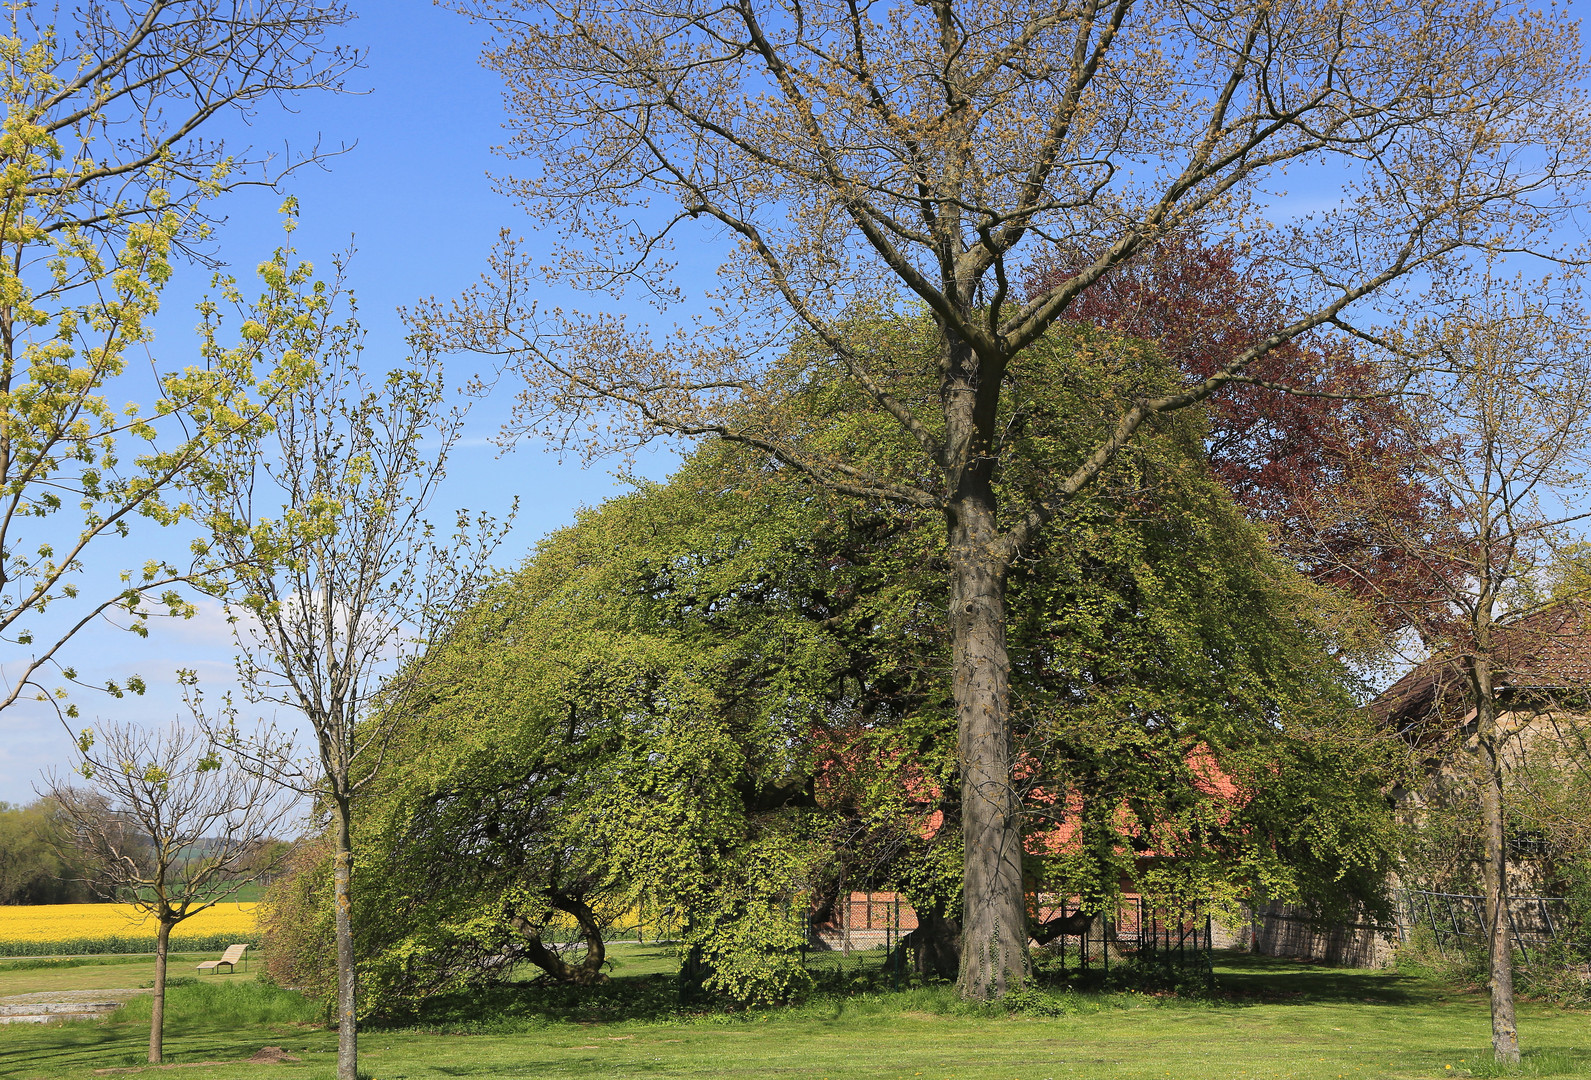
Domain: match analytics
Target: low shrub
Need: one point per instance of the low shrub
(36, 963)
(1422, 956)
(1034, 1002)
(1554, 973)
(194, 1005)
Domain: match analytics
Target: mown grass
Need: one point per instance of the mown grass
(99, 972)
(1269, 1021)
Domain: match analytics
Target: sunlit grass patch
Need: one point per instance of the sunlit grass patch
(216, 1005)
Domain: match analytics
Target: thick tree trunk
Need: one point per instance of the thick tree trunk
(342, 905)
(157, 1010)
(934, 947)
(589, 970)
(994, 955)
(1499, 950)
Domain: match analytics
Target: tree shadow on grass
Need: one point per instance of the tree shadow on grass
(515, 1005)
(37, 1048)
(56, 1049)
(1242, 977)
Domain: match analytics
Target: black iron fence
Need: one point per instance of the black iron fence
(1134, 929)
(877, 927)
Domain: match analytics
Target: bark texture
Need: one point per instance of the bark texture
(347, 990)
(934, 948)
(589, 970)
(157, 1009)
(1499, 951)
(994, 956)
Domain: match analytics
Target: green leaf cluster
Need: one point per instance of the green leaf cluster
(726, 697)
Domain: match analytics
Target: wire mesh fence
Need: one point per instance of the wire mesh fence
(1458, 925)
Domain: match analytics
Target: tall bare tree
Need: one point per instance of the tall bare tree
(1505, 412)
(169, 826)
(342, 584)
(853, 156)
(110, 174)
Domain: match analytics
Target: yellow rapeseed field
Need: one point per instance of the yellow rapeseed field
(75, 922)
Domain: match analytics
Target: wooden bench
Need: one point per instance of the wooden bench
(230, 958)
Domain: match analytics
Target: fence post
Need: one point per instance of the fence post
(1513, 926)
(1546, 916)
(845, 926)
(1458, 934)
(1104, 946)
(1436, 932)
(1209, 953)
(808, 931)
(899, 952)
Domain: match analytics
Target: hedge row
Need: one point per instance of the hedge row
(124, 944)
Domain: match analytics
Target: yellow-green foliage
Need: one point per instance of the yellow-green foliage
(92, 219)
(593, 680)
(712, 696)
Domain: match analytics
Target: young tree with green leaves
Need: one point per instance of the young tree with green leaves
(1504, 426)
(340, 581)
(170, 827)
(110, 176)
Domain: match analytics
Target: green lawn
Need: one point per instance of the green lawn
(103, 973)
(1274, 1020)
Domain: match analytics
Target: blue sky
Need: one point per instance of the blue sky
(413, 196)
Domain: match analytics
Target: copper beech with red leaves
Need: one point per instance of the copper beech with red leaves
(855, 158)
(1286, 458)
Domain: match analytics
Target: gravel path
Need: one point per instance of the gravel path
(64, 1005)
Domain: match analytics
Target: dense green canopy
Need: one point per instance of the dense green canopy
(725, 697)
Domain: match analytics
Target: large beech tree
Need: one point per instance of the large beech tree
(725, 697)
(855, 157)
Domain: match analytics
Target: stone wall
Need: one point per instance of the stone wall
(1286, 930)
